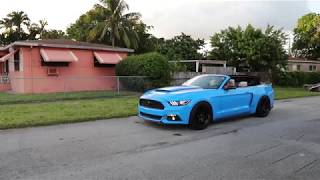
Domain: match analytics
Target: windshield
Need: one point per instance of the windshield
(206, 82)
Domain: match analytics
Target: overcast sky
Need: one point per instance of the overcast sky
(200, 18)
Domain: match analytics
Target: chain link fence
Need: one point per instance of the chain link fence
(4, 79)
(43, 89)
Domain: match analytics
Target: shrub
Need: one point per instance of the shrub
(153, 65)
(297, 79)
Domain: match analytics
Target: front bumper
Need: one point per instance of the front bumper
(161, 115)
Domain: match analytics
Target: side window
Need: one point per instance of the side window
(312, 68)
(17, 61)
(294, 67)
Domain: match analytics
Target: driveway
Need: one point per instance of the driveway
(285, 145)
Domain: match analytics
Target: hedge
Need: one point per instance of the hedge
(152, 65)
(296, 79)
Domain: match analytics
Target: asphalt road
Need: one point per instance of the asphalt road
(285, 145)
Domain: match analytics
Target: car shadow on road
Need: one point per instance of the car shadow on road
(214, 125)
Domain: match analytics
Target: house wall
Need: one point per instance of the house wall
(78, 76)
(304, 67)
(5, 87)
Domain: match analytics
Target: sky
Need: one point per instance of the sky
(199, 18)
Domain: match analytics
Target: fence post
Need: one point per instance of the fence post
(118, 85)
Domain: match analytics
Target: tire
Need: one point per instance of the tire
(263, 107)
(200, 116)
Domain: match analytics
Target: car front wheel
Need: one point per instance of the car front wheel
(200, 117)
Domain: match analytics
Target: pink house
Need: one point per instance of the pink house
(46, 66)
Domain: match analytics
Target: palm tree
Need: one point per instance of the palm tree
(36, 30)
(18, 19)
(6, 23)
(120, 25)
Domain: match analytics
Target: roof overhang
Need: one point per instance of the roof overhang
(201, 61)
(24, 43)
(304, 61)
(19, 43)
(8, 56)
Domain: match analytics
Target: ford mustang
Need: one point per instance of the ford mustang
(207, 98)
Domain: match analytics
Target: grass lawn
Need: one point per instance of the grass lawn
(17, 111)
(6, 98)
(287, 93)
(26, 115)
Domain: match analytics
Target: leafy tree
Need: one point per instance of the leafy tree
(307, 36)
(120, 25)
(147, 42)
(152, 65)
(36, 30)
(6, 24)
(109, 23)
(251, 48)
(13, 27)
(18, 19)
(17, 26)
(53, 34)
(182, 47)
(89, 26)
(14, 21)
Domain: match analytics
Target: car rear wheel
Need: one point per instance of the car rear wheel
(200, 117)
(263, 107)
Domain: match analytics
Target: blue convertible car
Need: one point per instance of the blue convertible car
(207, 98)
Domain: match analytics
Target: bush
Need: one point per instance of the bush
(153, 65)
(297, 79)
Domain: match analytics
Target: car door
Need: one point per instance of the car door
(235, 101)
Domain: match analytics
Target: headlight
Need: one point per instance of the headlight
(179, 103)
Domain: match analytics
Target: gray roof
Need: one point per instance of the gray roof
(67, 43)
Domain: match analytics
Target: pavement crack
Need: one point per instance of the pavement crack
(285, 157)
(300, 137)
(263, 150)
(305, 166)
(230, 132)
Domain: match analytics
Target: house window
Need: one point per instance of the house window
(17, 61)
(312, 68)
(298, 67)
(98, 64)
(54, 64)
(294, 67)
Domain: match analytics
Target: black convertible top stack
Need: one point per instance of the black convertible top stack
(252, 80)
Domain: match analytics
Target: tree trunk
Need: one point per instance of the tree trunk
(113, 41)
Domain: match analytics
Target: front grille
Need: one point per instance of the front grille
(151, 104)
(150, 116)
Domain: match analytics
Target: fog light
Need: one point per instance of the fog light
(173, 117)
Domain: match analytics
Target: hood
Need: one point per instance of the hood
(172, 93)
(177, 88)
